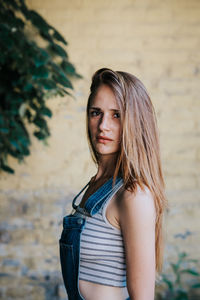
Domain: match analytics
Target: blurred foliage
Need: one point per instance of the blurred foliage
(29, 75)
(175, 284)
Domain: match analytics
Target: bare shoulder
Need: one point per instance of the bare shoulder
(138, 204)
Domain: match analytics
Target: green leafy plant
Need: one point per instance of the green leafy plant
(174, 285)
(30, 73)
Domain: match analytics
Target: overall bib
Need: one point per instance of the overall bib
(73, 225)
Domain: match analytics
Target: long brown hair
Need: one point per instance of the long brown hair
(139, 160)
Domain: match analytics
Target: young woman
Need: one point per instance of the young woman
(111, 246)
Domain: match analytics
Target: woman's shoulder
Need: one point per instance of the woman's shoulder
(137, 202)
(138, 191)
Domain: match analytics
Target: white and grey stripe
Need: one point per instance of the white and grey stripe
(102, 255)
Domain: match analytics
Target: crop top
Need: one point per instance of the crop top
(102, 255)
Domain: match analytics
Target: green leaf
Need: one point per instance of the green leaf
(40, 122)
(192, 260)
(182, 295)
(25, 151)
(39, 72)
(1, 119)
(168, 282)
(12, 112)
(40, 135)
(34, 106)
(59, 50)
(27, 87)
(25, 141)
(7, 169)
(47, 84)
(14, 4)
(62, 93)
(41, 57)
(190, 271)
(56, 68)
(16, 98)
(58, 36)
(47, 36)
(38, 21)
(195, 286)
(17, 23)
(182, 255)
(79, 76)
(15, 144)
(68, 67)
(66, 92)
(28, 115)
(13, 153)
(175, 267)
(7, 40)
(45, 111)
(4, 130)
(63, 81)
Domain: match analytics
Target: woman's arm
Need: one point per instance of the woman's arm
(137, 221)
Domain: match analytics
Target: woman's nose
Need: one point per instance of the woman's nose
(104, 123)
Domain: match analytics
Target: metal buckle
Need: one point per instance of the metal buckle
(82, 211)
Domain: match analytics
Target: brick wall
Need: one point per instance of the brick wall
(158, 41)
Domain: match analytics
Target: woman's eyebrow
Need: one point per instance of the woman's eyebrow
(98, 108)
(92, 107)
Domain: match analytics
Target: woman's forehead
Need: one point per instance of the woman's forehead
(105, 98)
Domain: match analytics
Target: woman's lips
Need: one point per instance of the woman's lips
(103, 139)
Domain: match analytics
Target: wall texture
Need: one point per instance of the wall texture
(158, 41)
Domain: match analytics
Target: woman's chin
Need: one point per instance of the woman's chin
(106, 152)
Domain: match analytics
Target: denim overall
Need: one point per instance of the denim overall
(73, 224)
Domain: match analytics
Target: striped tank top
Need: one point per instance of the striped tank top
(102, 255)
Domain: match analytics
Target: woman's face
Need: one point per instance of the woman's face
(104, 122)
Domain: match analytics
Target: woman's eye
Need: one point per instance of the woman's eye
(94, 113)
(117, 115)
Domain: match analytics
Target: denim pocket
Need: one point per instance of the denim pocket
(68, 266)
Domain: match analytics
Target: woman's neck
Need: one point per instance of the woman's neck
(106, 167)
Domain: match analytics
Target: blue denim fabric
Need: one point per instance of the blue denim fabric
(69, 243)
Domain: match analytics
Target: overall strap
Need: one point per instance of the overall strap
(74, 200)
(96, 200)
